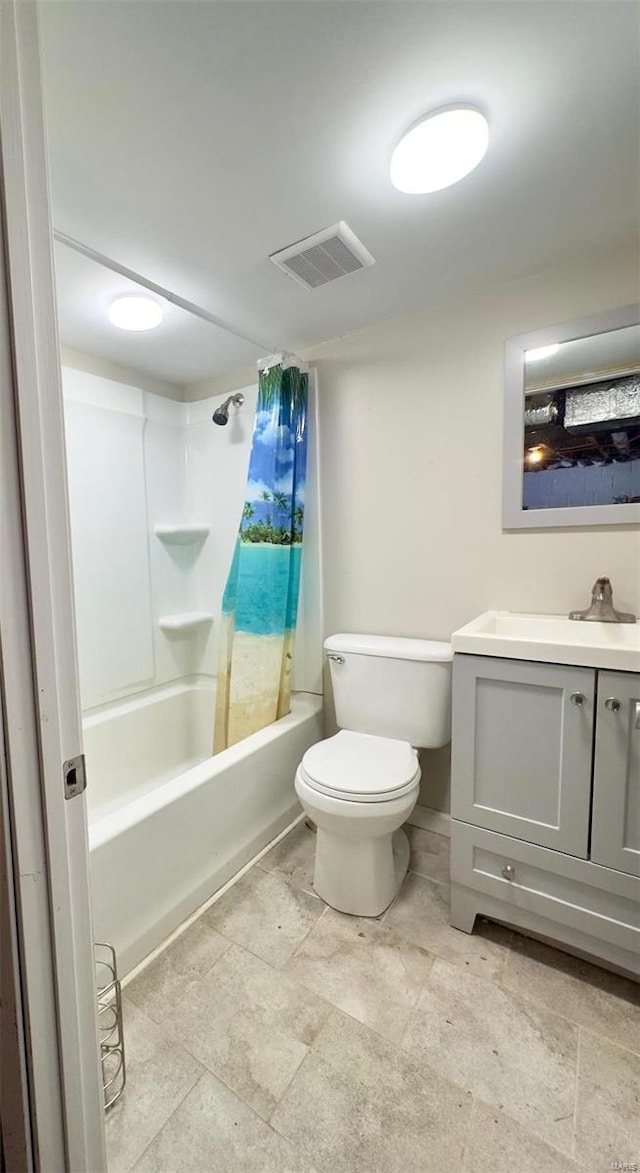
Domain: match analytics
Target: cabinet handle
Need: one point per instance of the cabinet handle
(612, 704)
(509, 872)
(577, 698)
(637, 720)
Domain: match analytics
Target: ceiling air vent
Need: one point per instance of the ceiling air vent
(324, 257)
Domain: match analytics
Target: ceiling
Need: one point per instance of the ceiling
(586, 359)
(188, 141)
(183, 350)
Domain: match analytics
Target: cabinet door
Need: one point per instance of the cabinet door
(615, 832)
(522, 746)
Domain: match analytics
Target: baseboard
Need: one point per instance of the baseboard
(430, 820)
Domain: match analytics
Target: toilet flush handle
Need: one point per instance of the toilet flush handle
(335, 657)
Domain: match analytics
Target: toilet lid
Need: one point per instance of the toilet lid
(360, 767)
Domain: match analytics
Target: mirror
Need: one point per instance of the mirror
(572, 424)
(155, 500)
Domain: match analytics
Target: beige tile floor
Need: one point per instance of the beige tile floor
(278, 1036)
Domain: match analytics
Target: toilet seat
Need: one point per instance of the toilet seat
(359, 767)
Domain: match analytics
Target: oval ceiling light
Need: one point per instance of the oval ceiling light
(540, 352)
(135, 313)
(441, 149)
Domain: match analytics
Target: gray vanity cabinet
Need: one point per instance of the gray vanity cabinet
(522, 749)
(615, 840)
(545, 803)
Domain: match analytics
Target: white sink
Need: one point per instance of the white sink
(553, 639)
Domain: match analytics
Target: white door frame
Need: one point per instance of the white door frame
(16, 1150)
(42, 726)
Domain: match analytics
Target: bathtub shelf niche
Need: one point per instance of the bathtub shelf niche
(185, 623)
(181, 535)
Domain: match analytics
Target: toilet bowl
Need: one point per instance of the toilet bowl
(361, 785)
(359, 790)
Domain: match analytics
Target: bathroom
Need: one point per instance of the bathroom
(288, 998)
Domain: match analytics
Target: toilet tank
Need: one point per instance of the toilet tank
(392, 687)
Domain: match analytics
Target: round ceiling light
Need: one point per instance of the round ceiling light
(540, 352)
(441, 149)
(135, 313)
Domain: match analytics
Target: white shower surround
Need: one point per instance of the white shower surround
(137, 461)
(165, 833)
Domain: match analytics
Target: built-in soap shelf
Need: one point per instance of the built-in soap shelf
(181, 535)
(185, 623)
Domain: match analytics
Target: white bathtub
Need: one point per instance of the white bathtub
(132, 746)
(163, 847)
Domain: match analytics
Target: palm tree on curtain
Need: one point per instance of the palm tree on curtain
(265, 496)
(293, 404)
(281, 501)
(298, 522)
(247, 511)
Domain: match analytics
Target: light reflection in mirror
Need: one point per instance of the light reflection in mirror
(581, 443)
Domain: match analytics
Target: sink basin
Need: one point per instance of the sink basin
(553, 639)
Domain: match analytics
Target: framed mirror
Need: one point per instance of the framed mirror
(572, 423)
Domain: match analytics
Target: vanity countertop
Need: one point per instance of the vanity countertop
(553, 639)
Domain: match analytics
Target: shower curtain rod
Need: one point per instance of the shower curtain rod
(285, 357)
(86, 251)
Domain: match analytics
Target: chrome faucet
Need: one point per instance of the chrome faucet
(602, 609)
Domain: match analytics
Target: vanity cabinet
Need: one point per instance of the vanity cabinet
(523, 738)
(615, 838)
(545, 802)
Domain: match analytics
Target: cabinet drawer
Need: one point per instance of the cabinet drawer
(580, 895)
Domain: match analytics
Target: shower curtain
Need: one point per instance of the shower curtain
(260, 602)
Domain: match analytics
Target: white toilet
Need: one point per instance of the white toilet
(391, 696)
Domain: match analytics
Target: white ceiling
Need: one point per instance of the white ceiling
(583, 359)
(183, 350)
(190, 140)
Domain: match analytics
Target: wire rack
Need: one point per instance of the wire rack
(110, 1027)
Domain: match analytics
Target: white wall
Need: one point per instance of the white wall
(411, 457)
(94, 364)
(136, 460)
(104, 424)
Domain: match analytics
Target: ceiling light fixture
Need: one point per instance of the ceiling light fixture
(135, 313)
(540, 352)
(441, 149)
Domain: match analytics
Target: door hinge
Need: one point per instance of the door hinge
(75, 776)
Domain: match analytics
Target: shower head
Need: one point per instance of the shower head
(221, 414)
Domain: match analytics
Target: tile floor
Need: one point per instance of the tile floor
(278, 1036)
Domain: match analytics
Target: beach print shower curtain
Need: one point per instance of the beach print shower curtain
(260, 601)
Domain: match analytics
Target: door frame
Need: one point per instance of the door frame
(16, 1149)
(42, 726)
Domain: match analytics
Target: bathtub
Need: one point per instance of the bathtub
(133, 746)
(160, 846)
